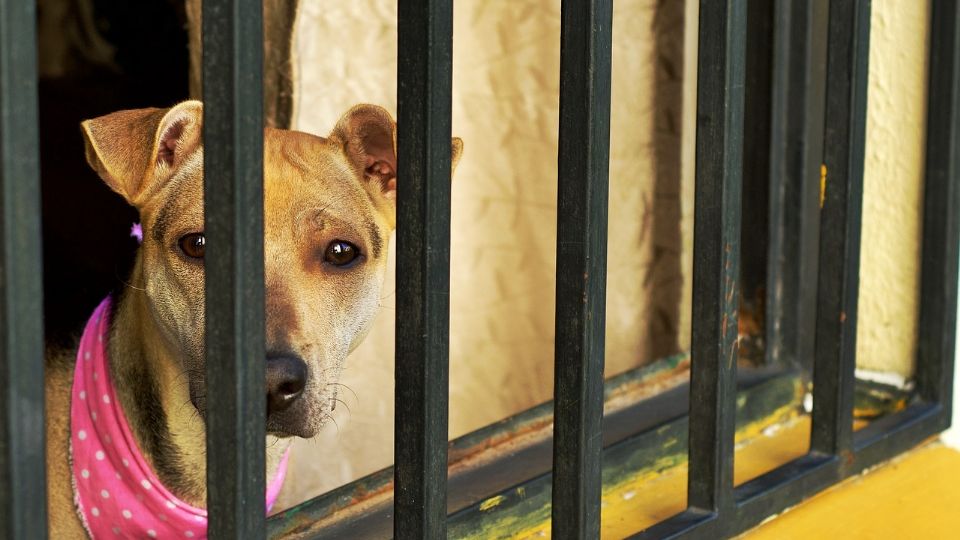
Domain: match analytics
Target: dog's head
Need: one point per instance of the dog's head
(329, 210)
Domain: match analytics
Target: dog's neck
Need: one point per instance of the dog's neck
(152, 387)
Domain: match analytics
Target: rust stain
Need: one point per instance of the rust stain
(823, 183)
(843, 317)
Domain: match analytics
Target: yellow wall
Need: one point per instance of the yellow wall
(893, 183)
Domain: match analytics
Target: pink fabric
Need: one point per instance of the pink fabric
(116, 491)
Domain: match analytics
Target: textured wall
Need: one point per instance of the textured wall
(893, 186)
(505, 107)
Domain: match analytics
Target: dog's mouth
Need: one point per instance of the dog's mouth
(294, 408)
(288, 425)
(301, 419)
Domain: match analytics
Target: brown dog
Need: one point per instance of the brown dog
(329, 210)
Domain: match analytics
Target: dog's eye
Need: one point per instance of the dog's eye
(341, 253)
(193, 245)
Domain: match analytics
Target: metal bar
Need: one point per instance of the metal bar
(757, 212)
(424, 103)
(691, 523)
(802, 478)
(796, 152)
(583, 174)
(23, 487)
(839, 261)
(936, 342)
(233, 191)
(716, 247)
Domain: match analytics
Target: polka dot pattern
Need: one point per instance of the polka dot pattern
(117, 492)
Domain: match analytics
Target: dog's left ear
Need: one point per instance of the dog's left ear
(369, 137)
(135, 152)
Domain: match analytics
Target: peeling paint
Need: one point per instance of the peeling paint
(491, 503)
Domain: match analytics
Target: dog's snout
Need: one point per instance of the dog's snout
(286, 379)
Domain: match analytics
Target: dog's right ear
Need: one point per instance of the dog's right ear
(136, 151)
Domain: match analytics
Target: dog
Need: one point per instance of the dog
(329, 211)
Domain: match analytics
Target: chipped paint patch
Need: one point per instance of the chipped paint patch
(492, 502)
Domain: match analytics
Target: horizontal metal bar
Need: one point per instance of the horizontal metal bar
(691, 523)
(233, 206)
(585, 49)
(802, 478)
(936, 342)
(839, 260)
(719, 165)
(792, 481)
(424, 80)
(23, 487)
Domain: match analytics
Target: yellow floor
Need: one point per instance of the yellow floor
(916, 496)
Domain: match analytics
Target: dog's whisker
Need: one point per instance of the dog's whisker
(355, 396)
(385, 296)
(334, 420)
(345, 406)
(129, 285)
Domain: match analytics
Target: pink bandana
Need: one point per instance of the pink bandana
(116, 491)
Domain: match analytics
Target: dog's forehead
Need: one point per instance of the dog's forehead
(301, 171)
(309, 178)
(294, 156)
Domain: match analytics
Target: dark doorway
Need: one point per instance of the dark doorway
(96, 57)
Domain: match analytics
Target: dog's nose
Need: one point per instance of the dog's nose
(286, 378)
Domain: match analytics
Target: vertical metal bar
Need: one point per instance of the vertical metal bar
(757, 212)
(584, 151)
(716, 246)
(23, 488)
(941, 212)
(843, 147)
(796, 152)
(233, 191)
(424, 80)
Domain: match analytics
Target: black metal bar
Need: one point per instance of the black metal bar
(23, 488)
(936, 341)
(233, 206)
(757, 212)
(583, 174)
(424, 103)
(839, 261)
(691, 523)
(716, 246)
(796, 152)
